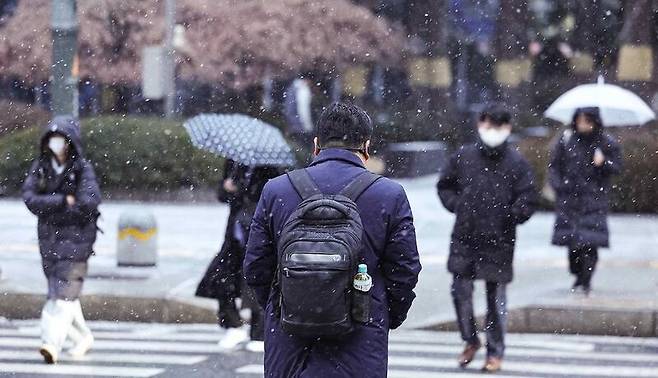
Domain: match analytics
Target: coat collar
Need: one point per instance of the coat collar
(494, 153)
(337, 154)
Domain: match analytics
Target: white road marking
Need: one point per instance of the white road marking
(139, 335)
(423, 337)
(154, 346)
(533, 367)
(84, 370)
(392, 373)
(530, 352)
(129, 358)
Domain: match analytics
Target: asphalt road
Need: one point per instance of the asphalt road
(158, 350)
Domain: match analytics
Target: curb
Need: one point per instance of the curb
(113, 308)
(571, 320)
(529, 319)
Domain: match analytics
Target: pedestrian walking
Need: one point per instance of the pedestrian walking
(489, 186)
(62, 191)
(583, 161)
(332, 258)
(223, 280)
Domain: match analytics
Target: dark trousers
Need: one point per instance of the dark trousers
(582, 263)
(229, 314)
(496, 320)
(233, 286)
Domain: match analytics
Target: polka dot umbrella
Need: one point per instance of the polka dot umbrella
(238, 137)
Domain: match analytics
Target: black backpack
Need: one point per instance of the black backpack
(319, 251)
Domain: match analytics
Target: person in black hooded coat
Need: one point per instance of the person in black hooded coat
(583, 161)
(62, 191)
(240, 188)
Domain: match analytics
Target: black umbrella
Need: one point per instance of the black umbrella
(238, 137)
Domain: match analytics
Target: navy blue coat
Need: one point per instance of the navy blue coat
(491, 191)
(389, 251)
(582, 188)
(66, 233)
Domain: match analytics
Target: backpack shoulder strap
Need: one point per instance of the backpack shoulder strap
(360, 184)
(303, 183)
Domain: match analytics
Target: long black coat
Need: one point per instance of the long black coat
(223, 277)
(389, 250)
(582, 188)
(66, 233)
(490, 191)
(214, 283)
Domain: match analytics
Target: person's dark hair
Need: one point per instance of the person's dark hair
(496, 114)
(592, 114)
(343, 126)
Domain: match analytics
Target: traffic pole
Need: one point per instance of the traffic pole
(64, 82)
(169, 59)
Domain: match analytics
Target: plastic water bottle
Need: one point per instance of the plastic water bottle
(361, 300)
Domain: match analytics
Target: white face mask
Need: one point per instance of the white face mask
(493, 137)
(57, 144)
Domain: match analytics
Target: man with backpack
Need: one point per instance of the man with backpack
(315, 233)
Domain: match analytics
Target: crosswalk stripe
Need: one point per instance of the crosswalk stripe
(393, 347)
(392, 373)
(435, 374)
(156, 346)
(144, 350)
(133, 358)
(251, 369)
(452, 339)
(608, 340)
(529, 352)
(564, 340)
(533, 367)
(100, 325)
(171, 336)
(84, 370)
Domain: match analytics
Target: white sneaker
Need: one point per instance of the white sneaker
(255, 346)
(233, 338)
(82, 347)
(49, 353)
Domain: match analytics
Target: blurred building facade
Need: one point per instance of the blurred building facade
(458, 55)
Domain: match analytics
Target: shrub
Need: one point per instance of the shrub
(146, 155)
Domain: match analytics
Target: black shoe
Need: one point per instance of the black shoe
(587, 289)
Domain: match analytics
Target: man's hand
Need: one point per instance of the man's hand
(70, 200)
(599, 158)
(229, 186)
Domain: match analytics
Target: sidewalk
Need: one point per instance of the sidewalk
(624, 301)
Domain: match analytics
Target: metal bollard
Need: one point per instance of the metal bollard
(137, 239)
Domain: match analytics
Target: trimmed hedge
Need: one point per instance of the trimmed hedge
(635, 189)
(148, 156)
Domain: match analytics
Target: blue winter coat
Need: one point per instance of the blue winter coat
(491, 191)
(582, 188)
(389, 251)
(66, 233)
